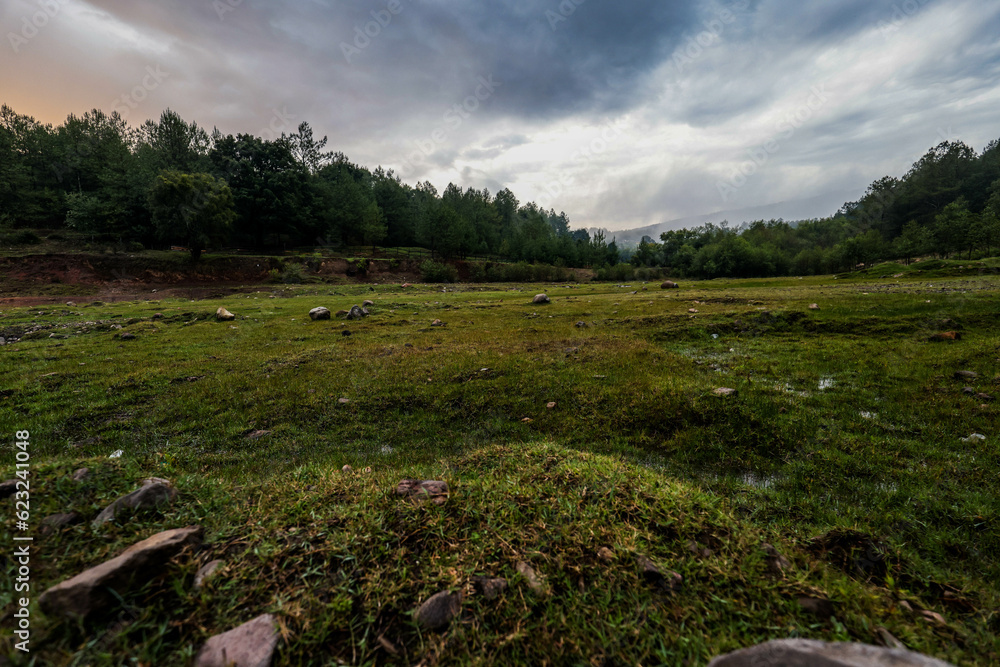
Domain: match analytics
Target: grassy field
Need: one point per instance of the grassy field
(842, 446)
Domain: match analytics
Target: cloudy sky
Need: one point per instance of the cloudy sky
(622, 114)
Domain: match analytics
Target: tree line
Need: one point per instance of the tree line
(171, 182)
(947, 204)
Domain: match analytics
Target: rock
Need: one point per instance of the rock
(692, 310)
(889, 640)
(669, 284)
(437, 611)
(81, 474)
(347, 469)
(489, 587)
(147, 496)
(249, 645)
(437, 323)
(344, 401)
(8, 488)
(724, 391)
(813, 306)
(224, 315)
(968, 390)
(319, 313)
(550, 405)
(946, 335)
(606, 554)
(652, 574)
(984, 397)
(541, 298)
(418, 490)
(207, 571)
(933, 617)
(535, 582)
(966, 375)
(405, 285)
(974, 438)
(355, 313)
(341, 313)
(366, 303)
(813, 653)
(345, 333)
(257, 435)
(776, 561)
(56, 522)
(94, 590)
(581, 325)
(126, 336)
(818, 607)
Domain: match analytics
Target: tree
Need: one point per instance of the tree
(915, 240)
(373, 227)
(953, 227)
(194, 209)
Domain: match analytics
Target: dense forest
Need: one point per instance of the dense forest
(947, 204)
(171, 182)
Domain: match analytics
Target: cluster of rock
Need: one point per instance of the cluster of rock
(355, 313)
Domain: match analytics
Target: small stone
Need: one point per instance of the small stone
(776, 561)
(81, 474)
(93, 590)
(527, 420)
(224, 315)
(489, 587)
(606, 554)
(420, 490)
(984, 397)
(974, 438)
(906, 606)
(148, 496)
(541, 299)
(319, 313)
(803, 652)
(581, 325)
(692, 310)
(889, 640)
(341, 313)
(724, 391)
(344, 401)
(206, 571)
(368, 471)
(968, 390)
(437, 323)
(367, 304)
(669, 284)
(257, 435)
(249, 645)
(535, 582)
(946, 335)
(933, 617)
(550, 405)
(437, 611)
(126, 336)
(405, 285)
(347, 469)
(652, 574)
(56, 522)
(8, 488)
(818, 607)
(813, 306)
(966, 375)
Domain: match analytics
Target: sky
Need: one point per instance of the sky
(622, 114)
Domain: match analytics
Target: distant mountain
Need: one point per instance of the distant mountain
(798, 209)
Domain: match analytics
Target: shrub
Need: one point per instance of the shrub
(436, 272)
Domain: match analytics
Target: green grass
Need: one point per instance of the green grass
(842, 446)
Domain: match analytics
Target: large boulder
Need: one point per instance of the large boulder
(541, 299)
(356, 313)
(812, 653)
(320, 313)
(249, 645)
(152, 494)
(669, 284)
(224, 315)
(96, 589)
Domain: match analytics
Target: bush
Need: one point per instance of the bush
(23, 237)
(436, 272)
(134, 246)
(293, 274)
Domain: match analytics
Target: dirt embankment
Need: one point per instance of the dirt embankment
(54, 276)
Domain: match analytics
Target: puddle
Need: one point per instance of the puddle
(757, 480)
